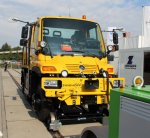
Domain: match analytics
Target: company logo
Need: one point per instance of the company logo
(130, 60)
(130, 64)
(82, 67)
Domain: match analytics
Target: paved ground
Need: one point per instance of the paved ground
(21, 121)
(3, 125)
(17, 120)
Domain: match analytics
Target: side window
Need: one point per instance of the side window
(34, 41)
(36, 32)
(92, 33)
(24, 56)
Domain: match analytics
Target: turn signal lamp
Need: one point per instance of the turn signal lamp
(49, 68)
(138, 81)
(110, 70)
(84, 17)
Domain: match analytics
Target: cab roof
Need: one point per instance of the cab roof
(65, 17)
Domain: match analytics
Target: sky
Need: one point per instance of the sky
(108, 13)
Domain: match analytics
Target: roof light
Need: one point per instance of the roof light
(84, 17)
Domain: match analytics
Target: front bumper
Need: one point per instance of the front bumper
(72, 90)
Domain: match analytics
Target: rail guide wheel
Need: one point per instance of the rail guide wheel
(53, 123)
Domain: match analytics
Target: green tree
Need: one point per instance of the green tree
(16, 48)
(6, 47)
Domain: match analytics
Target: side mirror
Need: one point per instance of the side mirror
(115, 38)
(24, 33)
(23, 42)
(112, 48)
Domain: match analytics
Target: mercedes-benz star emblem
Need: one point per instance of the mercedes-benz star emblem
(82, 67)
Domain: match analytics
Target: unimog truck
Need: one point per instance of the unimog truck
(65, 71)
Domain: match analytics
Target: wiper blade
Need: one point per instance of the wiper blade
(50, 51)
(86, 53)
(67, 55)
(76, 51)
(93, 55)
(69, 52)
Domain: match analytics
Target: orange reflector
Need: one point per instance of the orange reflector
(121, 86)
(84, 17)
(48, 68)
(138, 81)
(110, 70)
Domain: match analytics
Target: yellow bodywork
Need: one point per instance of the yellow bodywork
(73, 88)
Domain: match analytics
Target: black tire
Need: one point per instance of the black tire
(29, 99)
(43, 114)
(23, 81)
(23, 89)
(42, 109)
(88, 134)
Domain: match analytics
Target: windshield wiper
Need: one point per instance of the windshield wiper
(49, 48)
(92, 55)
(76, 51)
(83, 52)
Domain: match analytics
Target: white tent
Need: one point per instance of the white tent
(146, 26)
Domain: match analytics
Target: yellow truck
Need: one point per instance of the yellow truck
(65, 69)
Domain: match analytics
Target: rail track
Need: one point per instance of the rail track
(55, 134)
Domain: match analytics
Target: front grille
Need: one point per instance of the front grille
(74, 68)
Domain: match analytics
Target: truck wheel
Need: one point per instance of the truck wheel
(40, 105)
(88, 134)
(43, 114)
(23, 89)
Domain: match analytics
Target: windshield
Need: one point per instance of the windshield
(71, 37)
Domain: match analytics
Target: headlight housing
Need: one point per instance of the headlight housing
(42, 44)
(64, 73)
(117, 83)
(110, 48)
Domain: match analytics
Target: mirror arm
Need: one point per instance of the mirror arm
(108, 52)
(37, 51)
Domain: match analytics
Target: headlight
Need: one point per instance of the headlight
(64, 73)
(110, 48)
(42, 43)
(117, 83)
